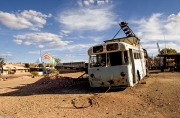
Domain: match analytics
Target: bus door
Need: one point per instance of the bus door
(133, 65)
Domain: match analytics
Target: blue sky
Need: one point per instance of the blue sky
(68, 28)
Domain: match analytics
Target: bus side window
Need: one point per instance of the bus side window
(125, 57)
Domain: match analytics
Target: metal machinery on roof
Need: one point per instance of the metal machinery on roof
(130, 36)
(124, 26)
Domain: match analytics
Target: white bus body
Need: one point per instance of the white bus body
(116, 63)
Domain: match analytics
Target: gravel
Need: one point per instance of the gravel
(53, 96)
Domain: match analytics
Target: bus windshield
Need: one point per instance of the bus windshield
(109, 59)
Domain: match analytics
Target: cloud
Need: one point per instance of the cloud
(174, 18)
(91, 2)
(151, 28)
(79, 2)
(12, 21)
(48, 38)
(83, 54)
(69, 56)
(86, 2)
(34, 52)
(173, 25)
(100, 2)
(40, 46)
(38, 37)
(77, 47)
(72, 47)
(97, 19)
(26, 19)
(59, 43)
(161, 29)
(64, 32)
(27, 43)
(157, 27)
(18, 41)
(6, 55)
(97, 38)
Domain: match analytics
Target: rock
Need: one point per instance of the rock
(120, 114)
(143, 82)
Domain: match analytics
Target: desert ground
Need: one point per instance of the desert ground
(58, 96)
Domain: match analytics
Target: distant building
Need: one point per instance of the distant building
(12, 69)
(71, 66)
(175, 57)
(4, 71)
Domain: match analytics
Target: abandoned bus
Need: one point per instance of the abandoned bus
(118, 62)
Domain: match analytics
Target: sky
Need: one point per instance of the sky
(66, 29)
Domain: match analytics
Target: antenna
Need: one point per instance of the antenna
(41, 56)
(165, 51)
(158, 48)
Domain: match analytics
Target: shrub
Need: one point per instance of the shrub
(34, 73)
(54, 71)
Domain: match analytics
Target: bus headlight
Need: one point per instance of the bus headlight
(123, 74)
(92, 75)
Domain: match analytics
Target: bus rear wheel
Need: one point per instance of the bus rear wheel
(147, 73)
(138, 77)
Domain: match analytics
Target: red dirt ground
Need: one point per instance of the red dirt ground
(157, 96)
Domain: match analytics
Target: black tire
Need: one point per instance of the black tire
(138, 75)
(147, 73)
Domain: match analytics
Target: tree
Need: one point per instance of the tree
(27, 65)
(168, 50)
(1, 64)
(57, 60)
(40, 65)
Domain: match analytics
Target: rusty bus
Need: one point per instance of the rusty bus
(117, 62)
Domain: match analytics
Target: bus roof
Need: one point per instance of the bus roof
(132, 40)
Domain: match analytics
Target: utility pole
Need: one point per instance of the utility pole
(6, 58)
(40, 56)
(42, 62)
(165, 53)
(165, 45)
